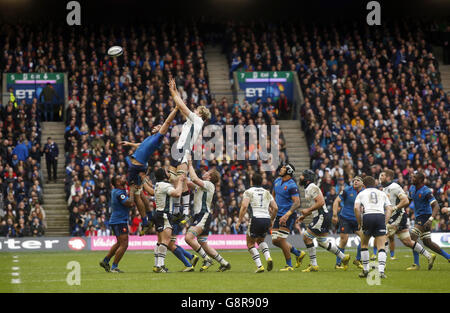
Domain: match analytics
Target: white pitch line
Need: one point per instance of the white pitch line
(15, 281)
(15, 268)
(15, 274)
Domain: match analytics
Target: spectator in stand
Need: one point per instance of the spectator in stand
(51, 157)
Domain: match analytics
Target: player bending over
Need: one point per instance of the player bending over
(426, 208)
(164, 191)
(375, 208)
(120, 205)
(178, 251)
(263, 212)
(320, 224)
(398, 223)
(286, 196)
(137, 163)
(197, 234)
(188, 137)
(347, 220)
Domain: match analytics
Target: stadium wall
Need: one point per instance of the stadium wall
(231, 242)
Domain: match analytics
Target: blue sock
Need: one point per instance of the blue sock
(295, 251)
(445, 254)
(416, 258)
(338, 259)
(392, 253)
(179, 254)
(106, 260)
(288, 262)
(145, 220)
(185, 253)
(358, 252)
(114, 266)
(375, 250)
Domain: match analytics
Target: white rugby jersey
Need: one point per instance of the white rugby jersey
(374, 201)
(311, 193)
(163, 200)
(393, 191)
(190, 131)
(259, 201)
(203, 197)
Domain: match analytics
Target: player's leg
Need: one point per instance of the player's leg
(365, 255)
(380, 242)
(308, 240)
(162, 251)
(112, 251)
(254, 253)
(405, 238)
(330, 246)
(264, 248)
(224, 264)
(426, 239)
(391, 241)
(179, 251)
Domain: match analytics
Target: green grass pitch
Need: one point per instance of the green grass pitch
(47, 272)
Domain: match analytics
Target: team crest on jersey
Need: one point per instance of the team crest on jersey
(122, 197)
(285, 187)
(420, 195)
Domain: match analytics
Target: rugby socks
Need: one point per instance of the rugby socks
(312, 254)
(106, 260)
(156, 251)
(295, 251)
(381, 260)
(338, 259)
(179, 254)
(416, 258)
(255, 256)
(392, 253)
(162, 255)
(185, 202)
(265, 250)
(289, 262)
(445, 254)
(185, 253)
(114, 265)
(334, 249)
(420, 249)
(358, 252)
(221, 260)
(365, 256)
(145, 220)
(202, 253)
(375, 250)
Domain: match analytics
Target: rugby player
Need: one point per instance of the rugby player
(164, 191)
(197, 234)
(287, 198)
(120, 205)
(425, 209)
(263, 210)
(376, 209)
(137, 164)
(188, 137)
(320, 225)
(347, 220)
(398, 223)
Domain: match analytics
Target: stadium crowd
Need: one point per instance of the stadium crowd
(373, 99)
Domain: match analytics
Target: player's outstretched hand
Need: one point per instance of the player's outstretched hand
(172, 85)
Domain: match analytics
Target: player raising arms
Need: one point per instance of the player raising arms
(285, 192)
(137, 163)
(320, 224)
(426, 208)
(197, 234)
(263, 212)
(188, 137)
(347, 220)
(164, 191)
(398, 223)
(376, 209)
(120, 205)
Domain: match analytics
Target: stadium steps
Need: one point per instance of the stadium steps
(218, 73)
(445, 77)
(297, 149)
(55, 204)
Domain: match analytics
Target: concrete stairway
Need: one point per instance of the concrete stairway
(445, 76)
(55, 205)
(218, 70)
(297, 149)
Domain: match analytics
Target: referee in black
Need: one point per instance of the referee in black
(51, 156)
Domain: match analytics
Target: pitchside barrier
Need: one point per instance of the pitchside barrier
(232, 242)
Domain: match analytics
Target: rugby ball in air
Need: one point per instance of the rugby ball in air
(115, 51)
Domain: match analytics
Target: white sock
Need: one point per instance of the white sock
(419, 249)
(202, 253)
(334, 249)
(255, 256)
(365, 256)
(381, 260)
(156, 252)
(162, 254)
(312, 255)
(220, 259)
(265, 250)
